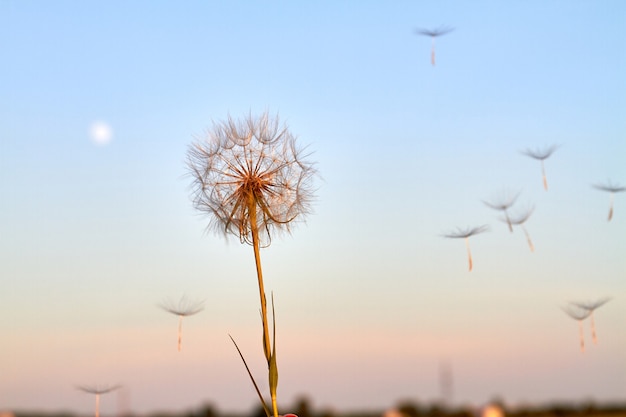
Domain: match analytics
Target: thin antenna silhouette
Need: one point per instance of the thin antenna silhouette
(591, 306)
(541, 155)
(465, 234)
(578, 314)
(434, 33)
(183, 308)
(446, 383)
(612, 189)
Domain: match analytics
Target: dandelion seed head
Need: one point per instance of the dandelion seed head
(466, 232)
(503, 201)
(609, 187)
(591, 305)
(97, 389)
(440, 31)
(250, 169)
(576, 312)
(183, 307)
(540, 153)
(520, 217)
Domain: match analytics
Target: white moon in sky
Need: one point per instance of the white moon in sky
(101, 133)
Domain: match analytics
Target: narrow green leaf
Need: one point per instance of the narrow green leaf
(273, 371)
(256, 387)
(265, 337)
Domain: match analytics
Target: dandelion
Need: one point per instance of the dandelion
(97, 391)
(541, 155)
(578, 314)
(503, 203)
(252, 180)
(434, 33)
(612, 189)
(591, 307)
(183, 308)
(519, 221)
(465, 234)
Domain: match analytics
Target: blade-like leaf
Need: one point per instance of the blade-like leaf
(256, 387)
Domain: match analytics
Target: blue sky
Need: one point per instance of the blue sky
(370, 298)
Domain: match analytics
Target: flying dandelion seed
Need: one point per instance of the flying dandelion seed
(612, 189)
(97, 391)
(251, 179)
(519, 221)
(465, 234)
(434, 33)
(591, 307)
(183, 308)
(578, 314)
(503, 203)
(541, 155)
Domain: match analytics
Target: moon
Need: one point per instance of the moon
(101, 133)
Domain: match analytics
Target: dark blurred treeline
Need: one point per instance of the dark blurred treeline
(302, 408)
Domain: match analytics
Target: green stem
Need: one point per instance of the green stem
(274, 405)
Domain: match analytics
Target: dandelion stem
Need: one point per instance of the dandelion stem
(530, 242)
(508, 221)
(180, 332)
(582, 336)
(432, 52)
(593, 329)
(97, 405)
(611, 207)
(469, 253)
(545, 178)
(257, 258)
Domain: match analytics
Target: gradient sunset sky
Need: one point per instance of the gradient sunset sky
(99, 101)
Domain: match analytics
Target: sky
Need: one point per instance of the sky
(100, 101)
